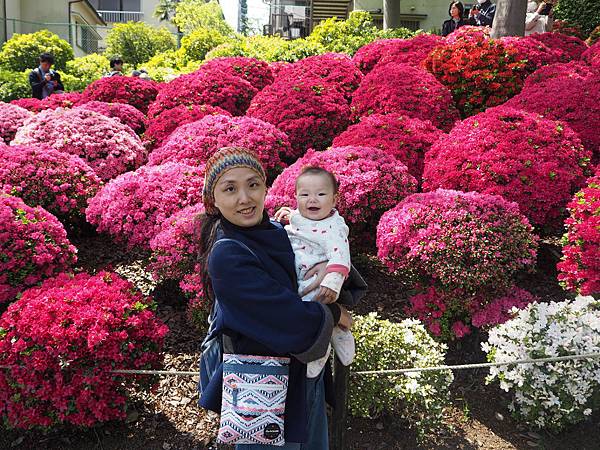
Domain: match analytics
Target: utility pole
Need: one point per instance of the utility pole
(391, 14)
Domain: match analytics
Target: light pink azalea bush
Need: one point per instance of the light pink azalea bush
(108, 146)
(11, 118)
(58, 182)
(63, 339)
(134, 91)
(533, 161)
(254, 71)
(124, 113)
(132, 207)
(33, 246)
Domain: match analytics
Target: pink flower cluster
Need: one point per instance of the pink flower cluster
(254, 71)
(405, 138)
(370, 182)
(132, 207)
(108, 146)
(534, 51)
(498, 310)
(572, 69)
(195, 142)
(568, 47)
(309, 111)
(215, 88)
(11, 118)
(580, 268)
(131, 90)
(66, 100)
(124, 113)
(61, 342)
(277, 66)
(469, 33)
(33, 245)
(533, 161)
(407, 90)
(41, 176)
(592, 55)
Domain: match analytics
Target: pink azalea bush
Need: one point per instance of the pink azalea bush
(403, 89)
(254, 71)
(124, 113)
(469, 33)
(572, 69)
(58, 182)
(579, 269)
(132, 207)
(108, 146)
(61, 342)
(309, 111)
(533, 161)
(497, 311)
(405, 138)
(161, 126)
(11, 118)
(592, 55)
(66, 100)
(134, 91)
(33, 246)
(277, 66)
(534, 51)
(568, 47)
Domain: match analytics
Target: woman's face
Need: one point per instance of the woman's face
(240, 196)
(454, 11)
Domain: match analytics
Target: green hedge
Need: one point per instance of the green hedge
(137, 42)
(585, 13)
(14, 85)
(21, 52)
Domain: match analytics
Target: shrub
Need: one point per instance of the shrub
(34, 246)
(419, 397)
(592, 55)
(568, 47)
(469, 33)
(570, 10)
(13, 85)
(66, 100)
(296, 49)
(72, 84)
(199, 42)
(124, 113)
(580, 266)
(131, 90)
(191, 15)
(398, 33)
(137, 42)
(403, 89)
(309, 111)
(405, 138)
(62, 341)
(533, 51)
(21, 52)
(108, 146)
(88, 68)
(568, 28)
(11, 118)
(593, 37)
(254, 71)
(573, 69)
(195, 142)
(533, 161)
(132, 207)
(550, 395)
(59, 182)
(259, 47)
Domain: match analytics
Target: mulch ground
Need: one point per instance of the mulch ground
(169, 419)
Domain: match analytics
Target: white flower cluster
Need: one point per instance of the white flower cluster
(549, 395)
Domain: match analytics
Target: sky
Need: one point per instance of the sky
(258, 13)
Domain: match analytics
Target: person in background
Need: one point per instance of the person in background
(535, 21)
(116, 67)
(456, 11)
(43, 80)
(483, 14)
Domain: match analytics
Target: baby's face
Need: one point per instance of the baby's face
(315, 196)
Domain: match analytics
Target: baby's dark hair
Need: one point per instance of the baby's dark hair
(316, 170)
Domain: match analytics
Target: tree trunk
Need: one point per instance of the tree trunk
(391, 14)
(510, 18)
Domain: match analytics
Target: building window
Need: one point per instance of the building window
(86, 38)
(117, 5)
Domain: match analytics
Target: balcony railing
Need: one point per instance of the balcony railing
(121, 16)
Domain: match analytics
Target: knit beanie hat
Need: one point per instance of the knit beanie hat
(225, 159)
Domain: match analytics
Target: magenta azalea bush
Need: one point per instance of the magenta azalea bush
(61, 342)
(254, 71)
(132, 207)
(533, 161)
(567, 47)
(592, 55)
(66, 100)
(134, 91)
(469, 33)
(108, 146)
(405, 138)
(33, 246)
(403, 89)
(533, 51)
(124, 113)
(572, 69)
(579, 269)
(11, 118)
(58, 182)
(310, 112)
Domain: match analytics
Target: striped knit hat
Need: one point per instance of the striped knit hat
(225, 159)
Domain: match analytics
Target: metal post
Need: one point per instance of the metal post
(340, 412)
(391, 14)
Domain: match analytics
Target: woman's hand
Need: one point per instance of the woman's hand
(326, 295)
(346, 321)
(283, 214)
(319, 269)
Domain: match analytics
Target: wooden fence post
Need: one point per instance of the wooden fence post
(341, 380)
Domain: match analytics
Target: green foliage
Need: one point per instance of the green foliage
(292, 51)
(193, 14)
(584, 13)
(137, 42)
(14, 85)
(594, 36)
(345, 36)
(73, 83)
(171, 59)
(199, 42)
(21, 52)
(165, 9)
(86, 69)
(397, 33)
(418, 397)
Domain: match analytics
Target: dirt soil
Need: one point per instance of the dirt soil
(169, 419)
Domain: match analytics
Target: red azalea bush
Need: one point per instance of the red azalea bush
(469, 33)
(407, 90)
(254, 71)
(134, 91)
(66, 100)
(132, 207)
(195, 142)
(59, 182)
(592, 55)
(572, 69)
(479, 74)
(61, 342)
(533, 51)
(533, 161)
(33, 246)
(161, 126)
(405, 138)
(11, 118)
(108, 146)
(215, 88)
(30, 104)
(370, 182)
(579, 269)
(568, 47)
(124, 113)
(310, 112)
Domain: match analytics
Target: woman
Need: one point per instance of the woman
(535, 20)
(455, 11)
(247, 269)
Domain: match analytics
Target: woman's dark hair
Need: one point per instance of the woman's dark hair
(47, 57)
(115, 61)
(205, 231)
(460, 6)
(316, 170)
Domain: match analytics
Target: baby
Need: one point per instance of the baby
(318, 233)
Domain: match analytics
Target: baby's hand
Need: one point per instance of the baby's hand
(283, 214)
(326, 295)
